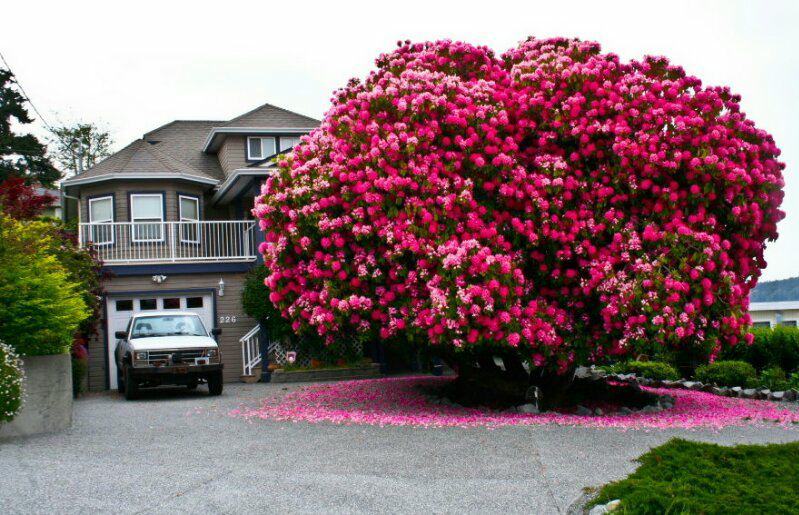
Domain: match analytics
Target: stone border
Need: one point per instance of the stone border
(740, 392)
(326, 374)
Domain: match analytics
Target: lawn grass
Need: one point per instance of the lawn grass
(682, 476)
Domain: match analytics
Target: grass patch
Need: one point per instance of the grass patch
(682, 476)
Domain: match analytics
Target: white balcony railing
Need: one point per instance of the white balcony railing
(171, 242)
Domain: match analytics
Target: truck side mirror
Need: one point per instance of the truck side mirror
(216, 331)
(121, 335)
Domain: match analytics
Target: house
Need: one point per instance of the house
(169, 215)
(774, 303)
(54, 209)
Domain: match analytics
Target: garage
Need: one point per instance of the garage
(120, 307)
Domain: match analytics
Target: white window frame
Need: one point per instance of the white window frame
(141, 220)
(93, 223)
(186, 220)
(263, 155)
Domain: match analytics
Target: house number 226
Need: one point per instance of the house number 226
(229, 319)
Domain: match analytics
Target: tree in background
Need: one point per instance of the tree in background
(20, 200)
(551, 207)
(21, 155)
(80, 146)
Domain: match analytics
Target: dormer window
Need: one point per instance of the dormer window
(260, 148)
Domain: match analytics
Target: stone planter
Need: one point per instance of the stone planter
(48, 397)
(326, 374)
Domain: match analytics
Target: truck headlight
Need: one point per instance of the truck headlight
(212, 353)
(140, 356)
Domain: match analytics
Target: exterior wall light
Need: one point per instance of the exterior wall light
(221, 288)
(158, 279)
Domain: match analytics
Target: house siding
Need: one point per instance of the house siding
(232, 154)
(122, 189)
(228, 305)
(788, 315)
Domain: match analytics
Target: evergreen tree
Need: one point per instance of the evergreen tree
(21, 155)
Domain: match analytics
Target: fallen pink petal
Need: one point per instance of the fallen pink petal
(399, 402)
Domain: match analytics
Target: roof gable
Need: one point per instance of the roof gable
(271, 116)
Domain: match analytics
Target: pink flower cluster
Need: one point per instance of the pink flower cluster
(553, 199)
(398, 402)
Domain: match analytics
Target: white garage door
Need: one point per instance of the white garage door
(120, 310)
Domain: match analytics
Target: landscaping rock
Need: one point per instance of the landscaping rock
(624, 411)
(763, 393)
(598, 412)
(735, 391)
(717, 390)
(582, 411)
(748, 393)
(598, 510)
(668, 383)
(528, 409)
(651, 409)
(583, 373)
(777, 396)
(613, 505)
(708, 388)
(790, 395)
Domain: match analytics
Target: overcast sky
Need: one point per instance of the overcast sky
(132, 66)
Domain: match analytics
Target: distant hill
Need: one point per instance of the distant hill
(776, 291)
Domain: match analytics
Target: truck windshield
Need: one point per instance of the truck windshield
(168, 325)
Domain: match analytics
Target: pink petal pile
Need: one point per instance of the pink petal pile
(399, 402)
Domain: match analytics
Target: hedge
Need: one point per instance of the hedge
(650, 370)
(771, 347)
(726, 373)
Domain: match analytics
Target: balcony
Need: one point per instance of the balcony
(129, 243)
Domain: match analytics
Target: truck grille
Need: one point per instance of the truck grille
(173, 357)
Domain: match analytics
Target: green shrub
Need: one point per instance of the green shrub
(771, 347)
(11, 376)
(726, 373)
(649, 369)
(772, 378)
(40, 308)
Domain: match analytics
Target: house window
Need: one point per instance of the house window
(101, 218)
(173, 303)
(287, 142)
(147, 304)
(194, 302)
(147, 215)
(788, 323)
(260, 148)
(189, 218)
(765, 324)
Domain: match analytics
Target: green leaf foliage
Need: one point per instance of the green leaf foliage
(726, 373)
(255, 302)
(771, 347)
(40, 307)
(691, 477)
(650, 370)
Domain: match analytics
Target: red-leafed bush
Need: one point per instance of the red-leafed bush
(20, 201)
(554, 205)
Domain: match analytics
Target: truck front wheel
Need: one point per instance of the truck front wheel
(131, 387)
(215, 383)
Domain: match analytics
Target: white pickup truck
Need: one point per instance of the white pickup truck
(167, 347)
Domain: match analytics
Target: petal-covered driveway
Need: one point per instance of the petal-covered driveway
(182, 452)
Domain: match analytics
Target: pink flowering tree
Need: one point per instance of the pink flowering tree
(552, 206)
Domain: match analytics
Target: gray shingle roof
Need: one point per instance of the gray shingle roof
(268, 115)
(184, 139)
(784, 290)
(141, 158)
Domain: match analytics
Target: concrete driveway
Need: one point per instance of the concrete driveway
(179, 452)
